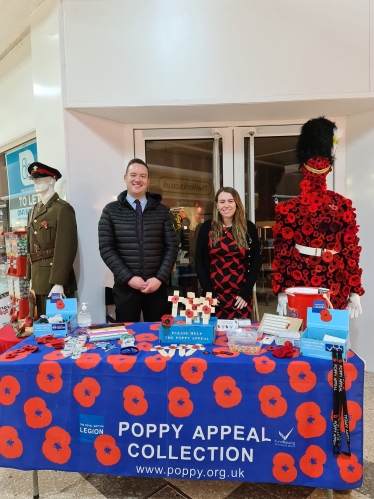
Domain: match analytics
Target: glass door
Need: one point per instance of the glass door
(270, 175)
(187, 167)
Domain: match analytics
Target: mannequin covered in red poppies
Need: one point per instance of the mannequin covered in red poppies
(315, 235)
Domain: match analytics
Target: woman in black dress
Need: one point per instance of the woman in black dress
(228, 256)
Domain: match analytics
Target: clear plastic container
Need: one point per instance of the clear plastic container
(244, 341)
(84, 316)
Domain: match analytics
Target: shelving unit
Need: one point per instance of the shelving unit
(18, 285)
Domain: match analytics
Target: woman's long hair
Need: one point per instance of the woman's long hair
(239, 223)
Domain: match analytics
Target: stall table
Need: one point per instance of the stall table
(201, 416)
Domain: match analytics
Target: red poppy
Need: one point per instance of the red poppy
(49, 377)
(287, 233)
(273, 405)
(264, 365)
(316, 280)
(282, 208)
(192, 370)
(56, 445)
(307, 229)
(349, 468)
(347, 216)
(325, 315)
(310, 421)
(86, 391)
(283, 468)
(227, 393)
(144, 346)
(146, 337)
(209, 300)
(302, 378)
(180, 404)
(121, 363)
(134, 400)
(88, 360)
(175, 299)
(206, 309)
(156, 363)
(55, 355)
(290, 218)
(350, 375)
(10, 445)
(222, 341)
(167, 320)
(355, 280)
(155, 327)
(11, 357)
(311, 463)
(60, 305)
(9, 389)
(37, 414)
(107, 452)
(297, 275)
(334, 289)
(189, 313)
(221, 353)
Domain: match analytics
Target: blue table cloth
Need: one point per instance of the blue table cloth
(202, 416)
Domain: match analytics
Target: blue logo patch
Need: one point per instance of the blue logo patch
(90, 427)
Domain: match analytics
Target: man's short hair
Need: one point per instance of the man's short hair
(136, 161)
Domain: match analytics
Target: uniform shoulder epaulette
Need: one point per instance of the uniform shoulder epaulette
(62, 201)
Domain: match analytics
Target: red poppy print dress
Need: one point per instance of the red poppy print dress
(227, 273)
(317, 218)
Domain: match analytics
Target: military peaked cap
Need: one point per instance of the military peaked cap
(38, 170)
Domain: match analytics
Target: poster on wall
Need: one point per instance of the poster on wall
(22, 195)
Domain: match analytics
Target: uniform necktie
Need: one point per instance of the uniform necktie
(139, 216)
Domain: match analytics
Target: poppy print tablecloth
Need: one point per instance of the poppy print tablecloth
(201, 416)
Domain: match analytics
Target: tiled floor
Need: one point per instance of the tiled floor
(52, 484)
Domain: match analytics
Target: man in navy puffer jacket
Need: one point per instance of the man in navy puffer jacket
(138, 243)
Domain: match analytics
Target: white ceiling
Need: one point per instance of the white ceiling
(15, 22)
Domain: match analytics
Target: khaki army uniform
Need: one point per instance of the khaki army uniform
(55, 229)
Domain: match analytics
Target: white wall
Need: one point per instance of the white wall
(360, 188)
(137, 52)
(48, 89)
(17, 118)
(96, 151)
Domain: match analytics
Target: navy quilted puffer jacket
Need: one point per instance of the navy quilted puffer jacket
(119, 243)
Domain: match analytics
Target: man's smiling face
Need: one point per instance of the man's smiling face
(137, 180)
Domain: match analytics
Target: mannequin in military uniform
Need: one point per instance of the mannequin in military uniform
(51, 239)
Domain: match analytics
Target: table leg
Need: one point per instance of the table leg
(35, 485)
(329, 494)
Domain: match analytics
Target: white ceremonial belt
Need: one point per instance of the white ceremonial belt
(306, 250)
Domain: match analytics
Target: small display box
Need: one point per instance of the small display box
(190, 334)
(67, 308)
(326, 329)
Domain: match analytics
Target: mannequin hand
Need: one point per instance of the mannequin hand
(137, 283)
(57, 288)
(282, 304)
(354, 305)
(151, 285)
(240, 303)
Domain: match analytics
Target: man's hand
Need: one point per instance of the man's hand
(282, 304)
(137, 283)
(57, 288)
(354, 306)
(151, 285)
(240, 302)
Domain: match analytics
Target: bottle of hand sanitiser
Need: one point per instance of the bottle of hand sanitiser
(84, 316)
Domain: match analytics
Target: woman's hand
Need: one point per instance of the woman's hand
(240, 303)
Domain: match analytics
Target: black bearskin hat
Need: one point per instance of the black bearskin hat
(316, 140)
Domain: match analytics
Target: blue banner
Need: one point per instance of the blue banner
(22, 195)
